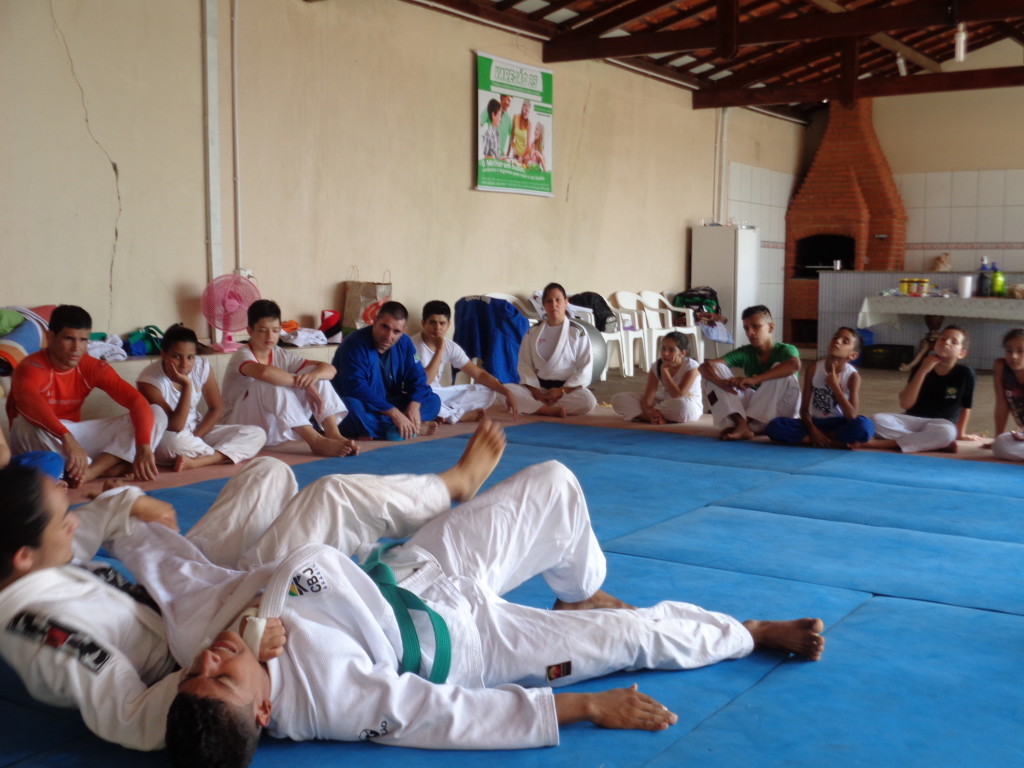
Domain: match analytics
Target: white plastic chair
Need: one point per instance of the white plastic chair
(523, 306)
(610, 337)
(628, 309)
(658, 316)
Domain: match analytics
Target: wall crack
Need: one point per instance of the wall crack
(113, 165)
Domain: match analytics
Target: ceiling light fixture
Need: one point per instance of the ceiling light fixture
(960, 42)
(901, 65)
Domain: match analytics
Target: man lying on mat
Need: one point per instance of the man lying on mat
(83, 637)
(471, 671)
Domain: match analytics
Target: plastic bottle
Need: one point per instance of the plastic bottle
(998, 281)
(984, 279)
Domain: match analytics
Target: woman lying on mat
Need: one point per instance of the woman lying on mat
(555, 364)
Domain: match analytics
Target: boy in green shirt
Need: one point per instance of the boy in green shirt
(742, 405)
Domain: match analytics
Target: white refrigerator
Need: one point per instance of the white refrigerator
(726, 259)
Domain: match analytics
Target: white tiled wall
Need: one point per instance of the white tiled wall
(968, 214)
(759, 197)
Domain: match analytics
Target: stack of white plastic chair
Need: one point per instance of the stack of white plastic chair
(628, 309)
(610, 337)
(658, 321)
(523, 306)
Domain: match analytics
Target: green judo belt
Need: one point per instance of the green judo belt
(402, 601)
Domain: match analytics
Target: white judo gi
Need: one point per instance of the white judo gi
(570, 361)
(77, 641)
(278, 410)
(236, 441)
(339, 677)
(772, 399)
(456, 399)
(689, 407)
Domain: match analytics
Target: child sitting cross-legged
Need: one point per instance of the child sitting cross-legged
(459, 402)
(269, 387)
(937, 399)
(673, 388)
(177, 382)
(742, 405)
(831, 394)
(1008, 378)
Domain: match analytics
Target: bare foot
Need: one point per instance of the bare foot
(599, 599)
(739, 432)
(477, 462)
(427, 428)
(951, 448)
(181, 463)
(558, 411)
(471, 416)
(328, 446)
(800, 636)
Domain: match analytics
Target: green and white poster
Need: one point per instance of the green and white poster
(514, 126)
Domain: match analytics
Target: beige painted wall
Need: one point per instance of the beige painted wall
(357, 143)
(959, 131)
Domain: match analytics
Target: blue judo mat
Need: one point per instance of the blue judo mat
(914, 564)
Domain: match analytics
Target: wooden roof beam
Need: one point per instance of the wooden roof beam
(922, 13)
(887, 41)
(969, 80)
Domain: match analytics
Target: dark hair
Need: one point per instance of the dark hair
(1013, 333)
(178, 333)
(680, 339)
(396, 310)
(757, 309)
(553, 287)
(436, 308)
(211, 733)
(959, 329)
(493, 107)
(22, 515)
(857, 341)
(262, 308)
(70, 316)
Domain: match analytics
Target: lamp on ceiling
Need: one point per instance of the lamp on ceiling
(960, 42)
(901, 65)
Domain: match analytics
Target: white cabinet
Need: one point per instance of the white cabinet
(726, 259)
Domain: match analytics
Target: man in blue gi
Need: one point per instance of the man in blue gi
(382, 383)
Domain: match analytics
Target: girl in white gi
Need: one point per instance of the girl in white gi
(269, 387)
(341, 674)
(177, 383)
(1008, 378)
(673, 388)
(555, 363)
(459, 402)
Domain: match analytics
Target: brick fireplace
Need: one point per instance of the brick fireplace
(849, 193)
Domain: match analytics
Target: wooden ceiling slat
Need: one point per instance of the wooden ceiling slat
(969, 80)
(812, 26)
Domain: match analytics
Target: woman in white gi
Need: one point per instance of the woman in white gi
(176, 383)
(673, 388)
(555, 363)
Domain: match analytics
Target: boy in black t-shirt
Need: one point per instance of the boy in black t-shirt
(937, 399)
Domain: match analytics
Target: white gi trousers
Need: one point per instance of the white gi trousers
(679, 410)
(1008, 448)
(460, 399)
(914, 434)
(537, 522)
(114, 435)
(774, 398)
(236, 441)
(579, 402)
(279, 410)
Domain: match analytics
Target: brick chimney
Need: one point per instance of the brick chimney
(848, 192)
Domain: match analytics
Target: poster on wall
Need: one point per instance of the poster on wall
(514, 126)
